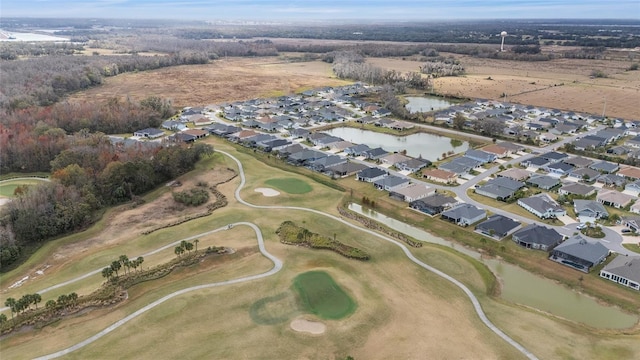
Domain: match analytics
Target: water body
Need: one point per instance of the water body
(522, 287)
(429, 146)
(426, 104)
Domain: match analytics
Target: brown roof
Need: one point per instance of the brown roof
(515, 174)
(196, 132)
(495, 149)
(630, 171)
(438, 173)
(246, 133)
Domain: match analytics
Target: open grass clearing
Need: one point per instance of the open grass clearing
(8, 188)
(290, 185)
(321, 295)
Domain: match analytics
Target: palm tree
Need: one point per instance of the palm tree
(115, 266)
(124, 260)
(73, 298)
(62, 301)
(107, 272)
(35, 299)
(178, 250)
(11, 304)
(188, 246)
(195, 242)
(50, 304)
(140, 260)
(3, 318)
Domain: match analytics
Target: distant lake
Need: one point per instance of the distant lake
(428, 146)
(426, 104)
(20, 36)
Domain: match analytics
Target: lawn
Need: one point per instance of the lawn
(322, 296)
(633, 247)
(8, 188)
(290, 185)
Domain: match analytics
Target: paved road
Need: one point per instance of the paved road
(277, 265)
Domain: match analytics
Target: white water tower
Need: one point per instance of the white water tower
(503, 35)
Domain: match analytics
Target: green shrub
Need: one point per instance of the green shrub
(192, 197)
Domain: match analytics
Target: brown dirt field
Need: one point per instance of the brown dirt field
(221, 81)
(562, 83)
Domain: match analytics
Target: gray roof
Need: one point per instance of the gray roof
(554, 156)
(506, 183)
(391, 181)
(578, 189)
(347, 167)
(560, 166)
(544, 181)
(604, 166)
(438, 200)
(578, 161)
(375, 152)
(479, 155)
(371, 172)
(581, 248)
(591, 174)
(500, 224)
(463, 211)
(537, 161)
(534, 233)
(627, 267)
(541, 203)
(591, 205)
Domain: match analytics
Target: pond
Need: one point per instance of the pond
(522, 287)
(429, 146)
(426, 104)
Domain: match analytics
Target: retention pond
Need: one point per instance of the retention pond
(522, 287)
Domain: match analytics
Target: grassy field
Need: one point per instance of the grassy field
(633, 247)
(7, 189)
(290, 185)
(320, 295)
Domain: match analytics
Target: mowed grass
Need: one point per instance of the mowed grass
(322, 296)
(7, 189)
(290, 185)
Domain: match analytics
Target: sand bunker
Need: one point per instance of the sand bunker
(268, 192)
(311, 327)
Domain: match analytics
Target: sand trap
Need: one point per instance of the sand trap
(268, 192)
(311, 327)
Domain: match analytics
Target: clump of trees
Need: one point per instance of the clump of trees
(442, 67)
(290, 233)
(191, 197)
(111, 272)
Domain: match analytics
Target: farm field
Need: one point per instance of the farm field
(221, 81)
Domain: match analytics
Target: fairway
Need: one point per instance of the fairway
(320, 295)
(290, 185)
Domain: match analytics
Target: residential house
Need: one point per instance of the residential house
(497, 226)
(589, 142)
(604, 167)
(632, 222)
(630, 172)
(515, 174)
(617, 150)
(412, 165)
(391, 182)
(174, 125)
(481, 156)
(499, 151)
(150, 133)
(558, 169)
(392, 159)
(433, 204)
(374, 154)
(544, 182)
(500, 188)
(614, 180)
(547, 137)
(625, 270)
(327, 141)
(274, 145)
(464, 214)
(610, 134)
(371, 174)
(577, 189)
(339, 146)
(579, 253)
(441, 176)
(356, 150)
(241, 135)
(289, 150)
(633, 188)
(589, 209)
(536, 162)
(320, 165)
(635, 208)
(634, 142)
(578, 161)
(299, 133)
(614, 198)
(198, 133)
(542, 206)
(554, 156)
(534, 236)
(513, 148)
(460, 165)
(584, 174)
(345, 169)
(200, 120)
(412, 192)
(305, 156)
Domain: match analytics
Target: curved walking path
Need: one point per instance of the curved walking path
(277, 265)
(474, 300)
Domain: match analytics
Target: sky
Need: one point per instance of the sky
(301, 10)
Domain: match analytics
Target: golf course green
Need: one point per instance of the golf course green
(322, 296)
(290, 185)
